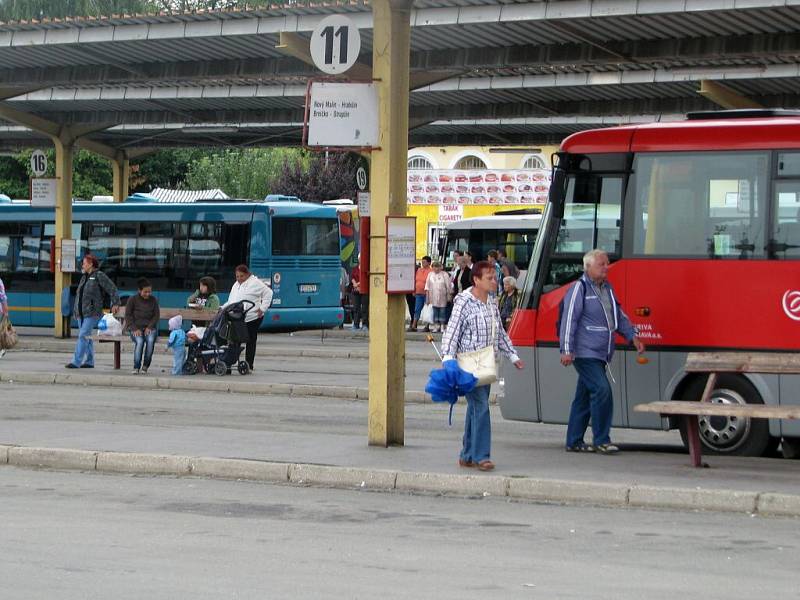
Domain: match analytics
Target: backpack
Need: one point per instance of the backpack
(561, 306)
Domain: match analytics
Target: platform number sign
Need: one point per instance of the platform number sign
(335, 44)
(38, 163)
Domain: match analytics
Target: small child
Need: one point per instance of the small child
(177, 341)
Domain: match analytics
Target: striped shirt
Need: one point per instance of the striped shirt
(470, 328)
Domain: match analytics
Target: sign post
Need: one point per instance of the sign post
(38, 163)
(335, 44)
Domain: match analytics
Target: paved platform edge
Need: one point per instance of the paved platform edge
(230, 385)
(67, 346)
(473, 484)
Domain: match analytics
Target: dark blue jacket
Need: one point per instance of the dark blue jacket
(585, 330)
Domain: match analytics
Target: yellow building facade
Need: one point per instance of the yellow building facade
(475, 181)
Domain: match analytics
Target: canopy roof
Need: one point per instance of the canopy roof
(486, 71)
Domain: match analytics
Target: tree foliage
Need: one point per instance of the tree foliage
(326, 177)
(249, 174)
(26, 10)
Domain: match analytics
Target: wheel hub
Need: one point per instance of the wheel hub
(724, 434)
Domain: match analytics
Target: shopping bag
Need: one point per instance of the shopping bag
(109, 325)
(427, 314)
(8, 335)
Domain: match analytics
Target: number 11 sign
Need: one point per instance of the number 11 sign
(335, 44)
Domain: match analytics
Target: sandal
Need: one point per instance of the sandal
(485, 465)
(466, 463)
(580, 448)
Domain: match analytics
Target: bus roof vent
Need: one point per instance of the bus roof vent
(741, 113)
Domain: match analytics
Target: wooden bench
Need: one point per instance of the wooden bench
(188, 314)
(713, 363)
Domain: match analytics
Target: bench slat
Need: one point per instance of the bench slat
(743, 362)
(682, 407)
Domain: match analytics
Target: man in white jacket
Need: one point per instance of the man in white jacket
(249, 287)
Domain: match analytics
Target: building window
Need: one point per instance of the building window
(419, 162)
(534, 161)
(470, 162)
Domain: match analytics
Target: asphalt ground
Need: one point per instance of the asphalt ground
(323, 430)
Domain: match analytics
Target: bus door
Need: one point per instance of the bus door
(592, 202)
(697, 229)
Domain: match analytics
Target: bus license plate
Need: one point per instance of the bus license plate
(308, 288)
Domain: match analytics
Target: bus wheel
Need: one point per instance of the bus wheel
(730, 435)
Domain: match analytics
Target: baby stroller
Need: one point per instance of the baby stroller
(221, 345)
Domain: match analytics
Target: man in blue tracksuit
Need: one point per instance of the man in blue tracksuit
(591, 316)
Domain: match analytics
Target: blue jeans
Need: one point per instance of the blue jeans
(593, 398)
(85, 345)
(178, 358)
(440, 314)
(146, 343)
(419, 303)
(477, 442)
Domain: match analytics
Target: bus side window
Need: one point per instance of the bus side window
(787, 215)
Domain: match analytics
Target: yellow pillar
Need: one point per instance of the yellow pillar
(64, 154)
(122, 174)
(390, 69)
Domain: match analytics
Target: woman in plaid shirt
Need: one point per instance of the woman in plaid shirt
(470, 329)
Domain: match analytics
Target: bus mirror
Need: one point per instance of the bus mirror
(558, 189)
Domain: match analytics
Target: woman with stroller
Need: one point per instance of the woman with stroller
(141, 320)
(205, 297)
(474, 325)
(89, 309)
(249, 287)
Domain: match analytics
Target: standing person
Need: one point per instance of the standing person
(420, 277)
(249, 287)
(437, 290)
(141, 321)
(475, 318)
(177, 343)
(492, 257)
(591, 316)
(508, 300)
(205, 297)
(360, 301)
(462, 276)
(3, 310)
(344, 286)
(89, 309)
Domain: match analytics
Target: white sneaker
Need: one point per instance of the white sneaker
(144, 370)
(2, 353)
(135, 372)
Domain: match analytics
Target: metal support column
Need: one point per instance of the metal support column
(122, 175)
(390, 69)
(64, 153)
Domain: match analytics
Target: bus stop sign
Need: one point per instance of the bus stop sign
(335, 44)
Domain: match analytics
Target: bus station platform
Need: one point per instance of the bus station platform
(293, 437)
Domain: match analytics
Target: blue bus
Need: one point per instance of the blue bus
(293, 246)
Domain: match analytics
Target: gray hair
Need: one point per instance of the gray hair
(511, 280)
(591, 255)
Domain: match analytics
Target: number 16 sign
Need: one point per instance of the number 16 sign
(335, 44)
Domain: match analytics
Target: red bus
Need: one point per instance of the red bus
(701, 221)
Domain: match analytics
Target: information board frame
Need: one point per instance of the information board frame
(401, 254)
(69, 256)
(307, 113)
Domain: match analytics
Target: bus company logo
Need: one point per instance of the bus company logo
(791, 304)
(276, 278)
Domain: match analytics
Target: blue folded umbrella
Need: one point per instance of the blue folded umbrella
(448, 383)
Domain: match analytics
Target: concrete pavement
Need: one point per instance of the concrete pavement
(322, 441)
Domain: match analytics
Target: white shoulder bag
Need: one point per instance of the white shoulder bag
(481, 363)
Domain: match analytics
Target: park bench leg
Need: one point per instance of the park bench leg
(117, 353)
(693, 435)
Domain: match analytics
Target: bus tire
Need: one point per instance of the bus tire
(730, 435)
